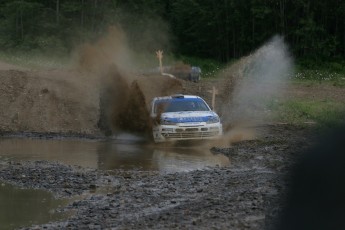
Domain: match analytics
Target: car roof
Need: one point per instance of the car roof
(176, 96)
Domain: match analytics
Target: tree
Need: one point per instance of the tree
(221, 30)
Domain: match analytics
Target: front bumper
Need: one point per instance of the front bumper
(183, 131)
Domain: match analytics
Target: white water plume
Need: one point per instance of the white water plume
(258, 83)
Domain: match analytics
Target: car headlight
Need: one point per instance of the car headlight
(214, 119)
(167, 122)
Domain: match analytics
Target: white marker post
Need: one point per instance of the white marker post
(214, 92)
(159, 54)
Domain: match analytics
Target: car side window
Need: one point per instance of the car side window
(202, 106)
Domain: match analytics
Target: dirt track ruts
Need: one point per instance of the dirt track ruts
(245, 195)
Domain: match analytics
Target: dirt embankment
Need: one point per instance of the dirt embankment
(76, 102)
(101, 93)
(79, 102)
(97, 103)
(104, 93)
(47, 101)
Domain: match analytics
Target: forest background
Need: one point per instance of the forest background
(220, 31)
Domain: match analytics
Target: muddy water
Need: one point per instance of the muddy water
(107, 155)
(24, 207)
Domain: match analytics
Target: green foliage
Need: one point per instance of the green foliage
(209, 67)
(37, 59)
(308, 72)
(336, 65)
(318, 75)
(323, 113)
(219, 30)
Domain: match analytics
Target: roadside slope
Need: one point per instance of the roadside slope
(47, 101)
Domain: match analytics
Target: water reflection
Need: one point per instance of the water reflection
(24, 207)
(107, 155)
(187, 159)
(168, 160)
(72, 152)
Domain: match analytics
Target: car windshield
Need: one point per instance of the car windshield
(178, 105)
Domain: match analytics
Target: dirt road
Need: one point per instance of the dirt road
(245, 195)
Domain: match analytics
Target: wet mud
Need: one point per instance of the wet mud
(23, 207)
(104, 96)
(243, 195)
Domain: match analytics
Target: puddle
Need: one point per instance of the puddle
(108, 155)
(187, 159)
(26, 207)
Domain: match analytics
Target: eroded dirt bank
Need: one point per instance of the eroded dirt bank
(245, 195)
(103, 97)
(45, 102)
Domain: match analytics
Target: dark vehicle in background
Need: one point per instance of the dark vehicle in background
(195, 74)
(185, 72)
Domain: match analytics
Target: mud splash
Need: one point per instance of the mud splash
(246, 87)
(250, 85)
(106, 91)
(125, 93)
(257, 81)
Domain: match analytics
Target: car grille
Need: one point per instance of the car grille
(187, 135)
(187, 130)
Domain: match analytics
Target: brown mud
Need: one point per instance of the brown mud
(244, 195)
(103, 95)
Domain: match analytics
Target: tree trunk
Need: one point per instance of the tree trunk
(82, 14)
(343, 38)
(21, 24)
(282, 16)
(94, 15)
(234, 43)
(253, 29)
(227, 37)
(57, 12)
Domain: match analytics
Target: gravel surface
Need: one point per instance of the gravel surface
(245, 195)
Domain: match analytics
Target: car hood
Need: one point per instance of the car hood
(188, 116)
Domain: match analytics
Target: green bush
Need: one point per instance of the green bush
(36, 59)
(209, 67)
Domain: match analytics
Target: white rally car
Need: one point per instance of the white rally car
(183, 117)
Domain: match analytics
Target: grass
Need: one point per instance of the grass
(35, 60)
(325, 113)
(298, 111)
(318, 76)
